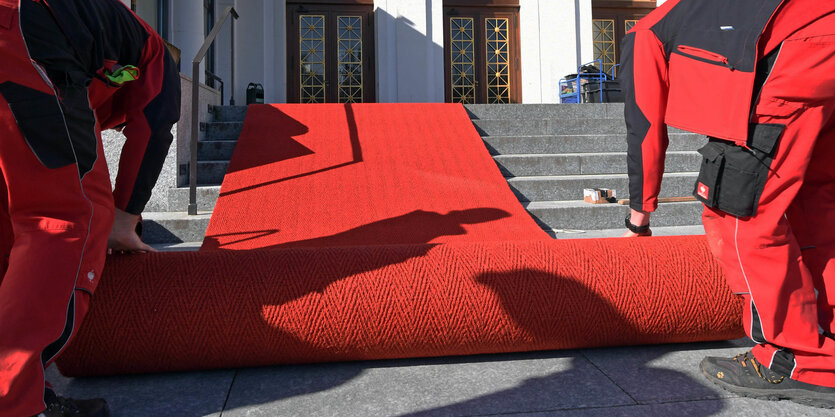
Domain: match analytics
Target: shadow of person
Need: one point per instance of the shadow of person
(415, 227)
(275, 145)
(274, 286)
(278, 145)
(577, 318)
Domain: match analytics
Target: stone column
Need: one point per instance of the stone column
(409, 50)
(556, 37)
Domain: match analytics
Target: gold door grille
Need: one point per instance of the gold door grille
(627, 25)
(312, 60)
(604, 43)
(498, 60)
(462, 59)
(349, 58)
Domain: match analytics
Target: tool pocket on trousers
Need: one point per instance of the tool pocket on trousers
(732, 177)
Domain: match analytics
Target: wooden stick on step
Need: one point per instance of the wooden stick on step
(625, 202)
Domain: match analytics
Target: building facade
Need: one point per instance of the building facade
(472, 51)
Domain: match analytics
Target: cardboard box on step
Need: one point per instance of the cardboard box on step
(599, 195)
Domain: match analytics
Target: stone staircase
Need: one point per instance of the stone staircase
(547, 152)
(550, 153)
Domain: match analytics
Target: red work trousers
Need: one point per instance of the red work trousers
(54, 222)
(782, 258)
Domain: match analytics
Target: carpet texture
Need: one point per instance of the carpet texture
(217, 309)
(363, 174)
(350, 232)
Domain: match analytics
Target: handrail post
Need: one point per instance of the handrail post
(195, 127)
(195, 101)
(232, 77)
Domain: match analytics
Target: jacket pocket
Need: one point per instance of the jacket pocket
(703, 55)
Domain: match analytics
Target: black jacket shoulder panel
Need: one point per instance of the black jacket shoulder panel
(101, 29)
(728, 28)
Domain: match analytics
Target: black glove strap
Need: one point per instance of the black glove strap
(635, 229)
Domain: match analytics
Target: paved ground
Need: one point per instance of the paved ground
(637, 381)
(660, 380)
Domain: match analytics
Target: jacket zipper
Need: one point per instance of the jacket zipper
(704, 55)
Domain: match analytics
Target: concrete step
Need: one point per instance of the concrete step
(206, 198)
(211, 172)
(533, 127)
(221, 130)
(174, 227)
(557, 144)
(215, 150)
(579, 215)
(570, 187)
(228, 113)
(606, 233)
(586, 163)
(545, 111)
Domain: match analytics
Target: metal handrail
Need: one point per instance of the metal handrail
(195, 99)
(213, 77)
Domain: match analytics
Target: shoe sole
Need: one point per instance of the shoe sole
(812, 399)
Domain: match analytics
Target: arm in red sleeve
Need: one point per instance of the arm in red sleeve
(645, 84)
(152, 106)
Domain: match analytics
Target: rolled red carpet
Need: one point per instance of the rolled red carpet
(385, 231)
(218, 309)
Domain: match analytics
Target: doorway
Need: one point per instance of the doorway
(482, 58)
(330, 51)
(611, 19)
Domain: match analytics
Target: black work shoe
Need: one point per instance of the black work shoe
(67, 407)
(744, 375)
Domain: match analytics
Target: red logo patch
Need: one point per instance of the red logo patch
(703, 191)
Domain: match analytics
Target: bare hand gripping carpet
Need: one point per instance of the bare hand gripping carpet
(385, 231)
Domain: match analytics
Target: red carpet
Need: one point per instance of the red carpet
(347, 175)
(386, 231)
(216, 309)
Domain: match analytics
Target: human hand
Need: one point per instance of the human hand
(123, 237)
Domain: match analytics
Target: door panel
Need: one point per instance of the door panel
(330, 54)
(481, 55)
(610, 22)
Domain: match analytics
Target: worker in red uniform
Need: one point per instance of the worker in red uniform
(758, 78)
(70, 68)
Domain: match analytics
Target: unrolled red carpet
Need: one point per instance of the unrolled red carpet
(385, 231)
(363, 174)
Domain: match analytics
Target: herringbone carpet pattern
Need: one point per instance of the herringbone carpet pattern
(386, 231)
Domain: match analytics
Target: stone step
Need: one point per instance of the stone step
(586, 163)
(605, 233)
(557, 144)
(215, 150)
(174, 227)
(570, 187)
(533, 127)
(211, 172)
(229, 113)
(545, 111)
(579, 215)
(206, 198)
(221, 130)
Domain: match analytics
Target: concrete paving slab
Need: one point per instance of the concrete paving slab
(664, 373)
(465, 386)
(187, 394)
(733, 407)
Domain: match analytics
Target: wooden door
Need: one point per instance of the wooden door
(330, 51)
(482, 60)
(611, 19)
